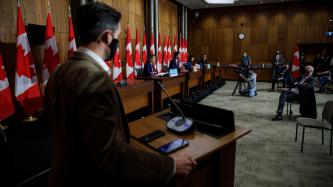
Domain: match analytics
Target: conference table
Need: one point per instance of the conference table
(207, 77)
(263, 71)
(193, 79)
(173, 86)
(215, 156)
(136, 95)
(217, 73)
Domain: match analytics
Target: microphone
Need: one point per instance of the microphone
(180, 124)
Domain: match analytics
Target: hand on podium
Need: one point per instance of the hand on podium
(184, 164)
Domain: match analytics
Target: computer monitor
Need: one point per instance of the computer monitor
(173, 72)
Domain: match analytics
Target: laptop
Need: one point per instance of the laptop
(173, 72)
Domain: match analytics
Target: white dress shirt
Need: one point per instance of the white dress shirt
(97, 58)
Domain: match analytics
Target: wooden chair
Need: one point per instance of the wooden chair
(325, 124)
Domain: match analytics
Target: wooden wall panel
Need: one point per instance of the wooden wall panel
(267, 28)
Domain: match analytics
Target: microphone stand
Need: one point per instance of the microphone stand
(176, 123)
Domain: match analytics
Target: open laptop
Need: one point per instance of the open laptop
(173, 72)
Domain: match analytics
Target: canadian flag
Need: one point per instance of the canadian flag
(26, 84)
(152, 46)
(144, 49)
(129, 62)
(159, 54)
(71, 38)
(175, 47)
(181, 50)
(116, 67)
(6, 100)
(295, 68)
(169, 50)
(165, 51)
(51, 54)
(185, 50)
(137, 51)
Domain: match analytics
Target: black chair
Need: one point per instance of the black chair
(325, 124)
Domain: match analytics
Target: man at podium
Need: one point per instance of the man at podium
(90, 131)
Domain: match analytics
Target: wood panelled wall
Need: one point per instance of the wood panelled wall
(267, 28)
(134, 15)
(168, 19)
(35, 12)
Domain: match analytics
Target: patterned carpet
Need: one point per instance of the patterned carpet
(269, 156)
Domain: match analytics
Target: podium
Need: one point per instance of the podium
(215, 156)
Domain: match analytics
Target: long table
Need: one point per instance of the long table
(173, 85)
(215, 156)
(137, 94)
(263, 73)
(193, 79)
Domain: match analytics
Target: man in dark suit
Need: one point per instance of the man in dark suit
(203, 61)
(174, 63)
(301, 90)
(90, 131)
(149, 68)
(280, 70)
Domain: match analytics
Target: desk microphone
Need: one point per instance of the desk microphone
(180, 124)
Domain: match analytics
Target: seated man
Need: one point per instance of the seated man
(174, 63)
(149, 68)
(252, 84)
(203, 62)
(301, 90)
(324, 77)
(281, 73)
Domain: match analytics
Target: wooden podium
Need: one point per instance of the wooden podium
(215, 156)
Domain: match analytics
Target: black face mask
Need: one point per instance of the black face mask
(113, 48)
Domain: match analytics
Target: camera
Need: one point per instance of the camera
(244, 71)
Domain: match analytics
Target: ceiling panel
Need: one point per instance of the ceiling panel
(201, 4)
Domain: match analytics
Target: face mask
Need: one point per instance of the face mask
(113, 48)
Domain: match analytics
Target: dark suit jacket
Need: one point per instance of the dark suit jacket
(307, 99)
(174, 64)
(91, 134)
(148, 69)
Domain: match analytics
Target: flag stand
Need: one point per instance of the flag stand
(30, 119)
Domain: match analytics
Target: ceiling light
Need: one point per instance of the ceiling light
(220, 1)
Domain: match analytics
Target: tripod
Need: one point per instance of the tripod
(240, 81)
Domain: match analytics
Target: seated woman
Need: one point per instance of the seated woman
(189, 64)
(149, 68)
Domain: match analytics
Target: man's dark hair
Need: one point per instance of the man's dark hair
(176, 54)
(93, 19)
(189, 58)
(151, 56)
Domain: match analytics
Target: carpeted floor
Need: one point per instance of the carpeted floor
(269, 156)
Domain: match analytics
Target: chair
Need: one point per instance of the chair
(325, 124)
(289, 104)
(328, 86)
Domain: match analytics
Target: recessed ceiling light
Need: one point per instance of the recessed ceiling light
(220, 1)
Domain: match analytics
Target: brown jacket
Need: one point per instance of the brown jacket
(91, 134)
